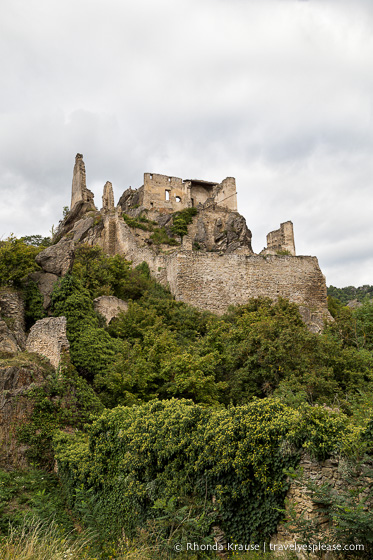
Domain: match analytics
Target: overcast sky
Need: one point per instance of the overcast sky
(277, 93)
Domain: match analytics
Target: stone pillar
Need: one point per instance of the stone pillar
(79, 191)
(108, 197)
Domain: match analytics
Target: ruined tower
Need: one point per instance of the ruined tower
(108, 197)
(79, 191)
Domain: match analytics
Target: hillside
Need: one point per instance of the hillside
(173, 424)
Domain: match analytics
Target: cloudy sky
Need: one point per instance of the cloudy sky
(277, 93)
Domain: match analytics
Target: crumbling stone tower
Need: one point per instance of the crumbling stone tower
(79, 191)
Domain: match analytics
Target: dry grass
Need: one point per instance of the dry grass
(36, 541)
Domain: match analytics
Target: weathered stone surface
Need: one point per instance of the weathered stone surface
(213, 282)
(168, 194)
(57, 259)
(298, 498)
(12, 310)
(314, 318)
(81, 227)
(79, 191)
(281, 240)
(109, 306)
(48, 338)
(15, 408)
(45, 282)
(108, 197)
(8, 342)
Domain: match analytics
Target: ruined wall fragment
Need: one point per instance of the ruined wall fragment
(48, 338)
(79, 191)
(108, 197)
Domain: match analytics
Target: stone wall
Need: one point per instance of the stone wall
(298, 499)
(213, 282)
(12, 321)
(109, 307)
(282, 239)
(48, 338)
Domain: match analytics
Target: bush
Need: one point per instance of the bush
(17, 260)
(229, 463)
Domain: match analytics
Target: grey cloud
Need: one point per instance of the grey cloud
(277, 93)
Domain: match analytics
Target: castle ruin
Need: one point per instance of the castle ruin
(212, 265)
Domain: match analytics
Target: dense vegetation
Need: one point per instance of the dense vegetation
(344, 295)
(170, 421)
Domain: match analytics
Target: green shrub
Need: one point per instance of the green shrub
(17, 260)
(229, 462)
(181, 220)
(34, 309)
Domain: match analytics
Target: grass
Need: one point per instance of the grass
(36, 540)
(25, 359)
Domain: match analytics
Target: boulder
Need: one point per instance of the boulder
(57, 259)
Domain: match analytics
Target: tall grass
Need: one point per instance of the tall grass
(35, 540)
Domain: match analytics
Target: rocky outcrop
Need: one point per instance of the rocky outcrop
(109, 307)
(8, 342)
(45, 282)
(57, 259)
(219, 230)
(48, 338)
(15, 408)
(12, 321)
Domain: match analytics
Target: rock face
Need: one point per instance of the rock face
(109, 307)
(15, 408)
(57, 259)
(12, 322)
(48, 338)
(219, 230)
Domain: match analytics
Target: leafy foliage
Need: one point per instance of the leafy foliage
(63, 401)
(344, 295)
(17, 260)
(182, 219)
(34, 309)
(229, 462)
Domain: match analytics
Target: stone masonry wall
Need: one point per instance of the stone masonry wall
(213, 282)
(331, 472)
(12, 319)
(48, 338)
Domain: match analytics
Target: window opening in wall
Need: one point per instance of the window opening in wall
(192, 199)
(151, 205)
(151, 176)
(178, 199)
(167, 195)
(169, 179)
